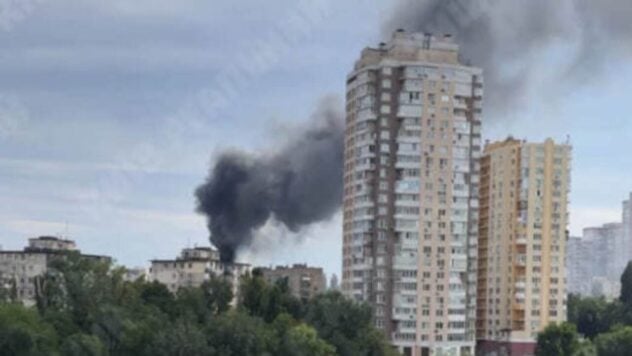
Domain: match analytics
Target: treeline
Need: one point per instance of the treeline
(595, 326)
(86, 308)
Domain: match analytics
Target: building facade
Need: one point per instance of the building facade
(304, 282)
(522, 243)
(413, 121)
(596, 261)
(19, 269)
(627, 229)
(579, 265)
(605, 253)
(136, 274)
(195, 266)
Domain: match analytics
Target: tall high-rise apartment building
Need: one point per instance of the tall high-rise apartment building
(410, 191)
(522, 241)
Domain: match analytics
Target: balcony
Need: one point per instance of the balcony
(460, 104)
(410, 111)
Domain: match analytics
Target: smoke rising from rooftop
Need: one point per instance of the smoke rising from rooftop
(505, 37)
(297, 185)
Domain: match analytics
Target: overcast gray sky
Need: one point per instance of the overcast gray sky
(111, 112)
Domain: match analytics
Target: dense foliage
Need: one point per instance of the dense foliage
(559, 340)
(86, 308)
(606, 326)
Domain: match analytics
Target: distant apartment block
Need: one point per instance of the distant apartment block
(333, 282)
(413, 139)
(607, 257)
(304, 282)
(596, 261)
(19, 269)
(136, 274)
(193, 267)
(578, 265)
(627, 229)
(522, 243)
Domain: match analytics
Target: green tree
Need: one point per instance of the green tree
(82, 345)
(303, 340)
(626, 286)
(78, 286)
(618, 342)
(8, 292)
(558, 340)
(239, 334)
(62, 322)
(4, 293)
(128, 332)
(586, 348)
(212, 298)
(592, 316)
(156, 294)
(23, 332)
(218, 294)
(181, 338)
(346, 325)
(260, 299)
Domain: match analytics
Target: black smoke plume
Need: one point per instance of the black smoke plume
(298, 184)
(507, 38)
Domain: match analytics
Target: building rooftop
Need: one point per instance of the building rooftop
(52, 238)
(295, 266)
(412, 46)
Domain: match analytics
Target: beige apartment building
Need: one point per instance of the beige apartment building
(411, 174)
(19, 269)
(304, 282)
(193, 267)
(522, 243)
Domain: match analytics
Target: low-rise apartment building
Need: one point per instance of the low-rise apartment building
(195, 266)
(19, 269)
(304, 282)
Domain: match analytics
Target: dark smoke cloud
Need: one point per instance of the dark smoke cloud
(506, 37)
(299, 184)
